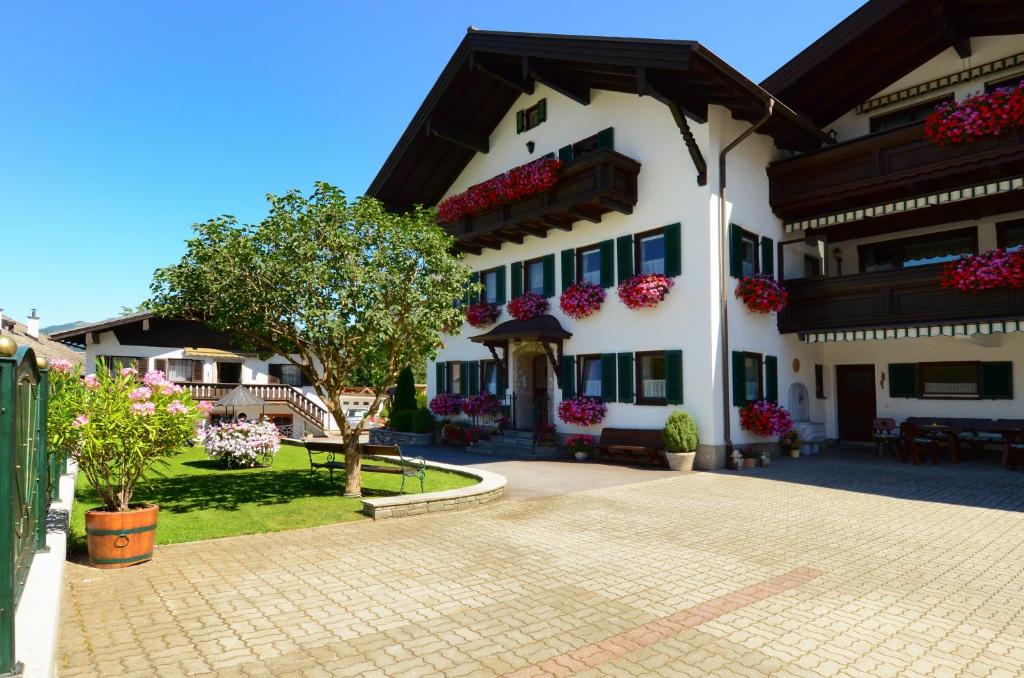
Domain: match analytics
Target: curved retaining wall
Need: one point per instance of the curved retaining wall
(490, 488)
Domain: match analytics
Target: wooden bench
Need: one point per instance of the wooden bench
(627, 445)
(326, 454)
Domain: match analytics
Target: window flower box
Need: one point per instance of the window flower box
(446, 404)
(995, 269)
(528, 305)
(644, 290)
(765, 419)
(762, 294)
(582, 411)
(980, 115)
(581, 299)
(482, 314)
(515, 184)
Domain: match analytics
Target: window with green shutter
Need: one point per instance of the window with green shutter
(608, 382)
(548, 263)
(658, 252)
(747, 381)
(902, 380)
(568, 368)
(440, 378)
(743, 254)
(997, 381)
(607, 249)
(528, 118)
(464, 377)
(771, 378)
(767, 256)
(625, 376)
(568, 268)
(674, 377)
(673, 251)
(517, 279)
(624, 255)
(651, 378)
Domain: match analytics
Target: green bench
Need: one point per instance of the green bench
(331, 455)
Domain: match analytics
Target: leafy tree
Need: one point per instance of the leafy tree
(405, 392)
(342, 289)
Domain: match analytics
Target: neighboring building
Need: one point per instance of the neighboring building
(28, 334)
(208, 364)
(637, 123)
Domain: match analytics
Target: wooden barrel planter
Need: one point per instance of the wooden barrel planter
(121, 538)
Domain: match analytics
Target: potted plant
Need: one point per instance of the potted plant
(681, 439)
(122, 430)
(580, 446)
(791, 442)
(750, 457)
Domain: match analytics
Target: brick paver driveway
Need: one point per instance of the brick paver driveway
(813, 567)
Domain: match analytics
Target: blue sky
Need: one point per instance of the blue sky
(122, 124)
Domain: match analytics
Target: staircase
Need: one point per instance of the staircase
(516, 444)
(312, 413)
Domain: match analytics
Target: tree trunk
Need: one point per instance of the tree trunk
(353, 471)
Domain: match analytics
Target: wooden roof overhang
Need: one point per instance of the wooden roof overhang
(544, 329)
(880, 43)
(490, 70)
(146, 329)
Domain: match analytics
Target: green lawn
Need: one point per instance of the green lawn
(200, 500)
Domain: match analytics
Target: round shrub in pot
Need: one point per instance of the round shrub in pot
(402, 421)
(422, 421)
(681, 440)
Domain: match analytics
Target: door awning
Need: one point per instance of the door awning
(541, 327)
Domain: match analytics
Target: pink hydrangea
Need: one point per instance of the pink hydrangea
(144, 409)
(60, 365)
(177, 408)
(128, 371)
(91, 382)
(141, 393)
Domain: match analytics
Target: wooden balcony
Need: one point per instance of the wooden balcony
(590, 187)
(908, 297)
(887, 166)
(272, 393)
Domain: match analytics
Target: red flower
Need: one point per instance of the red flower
(581, 299)
(987, 271)
(582, 411)
(765, 418)
(976, 116)
(645, 290)
(528, 305)
(482, 314)
(519, 182)
(762, 293)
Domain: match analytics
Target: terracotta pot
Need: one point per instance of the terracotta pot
(750, 463)
(121, 538)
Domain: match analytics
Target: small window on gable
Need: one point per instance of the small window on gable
(528, 118)
(605, 139)
(907, 116)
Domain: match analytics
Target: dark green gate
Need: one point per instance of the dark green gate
(24, 498)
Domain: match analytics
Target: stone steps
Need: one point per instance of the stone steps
(518, 444)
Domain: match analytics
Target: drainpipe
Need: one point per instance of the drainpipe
(723, 298)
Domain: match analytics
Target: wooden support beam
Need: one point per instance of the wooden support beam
(679, 115)
(641, 80)
(581, 213)
(560, 81)
(501, 72)
(555, 223)
(461, 136)
(956, 39)
(508, 235)
(538, 231)
(617, 205)
(490, 241)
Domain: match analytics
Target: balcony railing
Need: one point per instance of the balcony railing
(907, 297)
(588, 188)
(272, 393)
(887, 166)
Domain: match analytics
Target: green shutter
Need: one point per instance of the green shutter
(608, 377)
(767, 256)
(625, 377)
(520, 121)
(548, 263)
(473, 292)
(568, 268)
(499, 283)
(735, 251)
(517, 279)
(500, 379)
(607, 263)
(673, 251)
(565, 154)
(674, 377)
(997, 381)
(902, 380)
(542, 110)
(464, 378)
(441, 377)
(606, 138)
(739, 379)
(474, 378)
(568, 377)
(771, 378)
(624, 249)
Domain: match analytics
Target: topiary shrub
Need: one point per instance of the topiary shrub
(405, 392)
(681, 432)
(422, 421)
(421, 401)
(402, 421)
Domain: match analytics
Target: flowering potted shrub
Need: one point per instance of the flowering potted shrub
(242, 444)
(528, 305)
(121, 429)
(581, 299)
(765, 418)
(990, 270)
(580, 446)
(482, 314)
(517, 183)
(458, 433)
(546, 434)
(979, 115)
(762, 293)
(681, 440)
(446, 404)
(646, 290)
(750, 457)
(791, 442)
(484, 404)
(582, 411)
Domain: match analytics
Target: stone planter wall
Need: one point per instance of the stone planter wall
(383, 436)
(490, 488)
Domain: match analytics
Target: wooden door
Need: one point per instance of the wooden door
(855, 401)
(540, 389)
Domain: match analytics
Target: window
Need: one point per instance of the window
(489, 280)
(454, 377)
(528, 118)
(1010, 234)
(650, 252)
(533, 276)
(747, 253)
(812, 266)
(588, 265)
(752, 385)
(650, 378)
(949, 380)
(603, 139)
(114, 363)
(918, 251)
(291, 375)
(1010, 82)
(590, 375)
(231, 373)
(906, 116)
(179, 370)
(489, 377)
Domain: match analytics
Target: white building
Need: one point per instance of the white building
(651, 134)
(207, 363)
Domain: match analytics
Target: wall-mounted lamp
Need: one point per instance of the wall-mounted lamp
(530, 146)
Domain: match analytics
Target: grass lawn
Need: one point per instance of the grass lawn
(201, 500)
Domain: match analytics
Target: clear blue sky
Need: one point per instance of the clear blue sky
(123, 123)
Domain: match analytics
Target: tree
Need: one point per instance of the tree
(405, 392)
(342, 289)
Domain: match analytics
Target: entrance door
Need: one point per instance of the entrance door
(540, 390)
(855, 400)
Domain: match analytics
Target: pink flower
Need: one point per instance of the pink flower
(205, 406)
(645, 290)
(762, 293)
(527, 305)
(128, 371)
(60, 365)
(177, 408)
(581, 299)
(167, 388)
(80, 421)
(444, 404)
(582, 411)
(141, 393)
(765, 418)
(482, 314)
(519, 182)
(91, 382)
(144, 409)
(154, 378)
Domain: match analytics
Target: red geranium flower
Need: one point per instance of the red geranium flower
(762, 293)
(519, 182)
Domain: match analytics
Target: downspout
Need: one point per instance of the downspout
(723, 298)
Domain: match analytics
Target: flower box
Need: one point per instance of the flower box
(995, 269)
(528, 305)
(582, 411)
(980, 115)
(765, 418)
(517, 183)
(581, 299)
(482, 314)
(762, 293)
(644, 290)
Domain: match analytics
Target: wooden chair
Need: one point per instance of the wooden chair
(914, 443)
(885, 432)
(632, 444)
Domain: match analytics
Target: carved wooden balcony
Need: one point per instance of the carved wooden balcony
(589, 187)
(887, 166)
(907, 297)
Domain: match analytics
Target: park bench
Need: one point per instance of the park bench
(627, 445)
(331, 455)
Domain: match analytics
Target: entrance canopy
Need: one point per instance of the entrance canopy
(544, 329)
(240, 396)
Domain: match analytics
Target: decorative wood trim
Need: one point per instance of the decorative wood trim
(460, 136)
(915, 332)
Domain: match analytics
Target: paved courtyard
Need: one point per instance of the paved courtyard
(813, 567)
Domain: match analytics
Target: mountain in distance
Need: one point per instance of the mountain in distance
(50, 329)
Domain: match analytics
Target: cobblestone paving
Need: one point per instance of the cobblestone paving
(814, 567)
